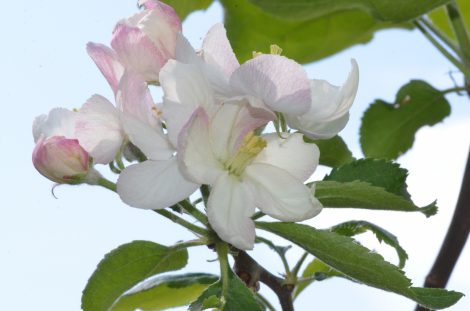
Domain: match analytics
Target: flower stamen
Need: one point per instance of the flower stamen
(251, 146)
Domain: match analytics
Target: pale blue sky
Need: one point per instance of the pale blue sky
(51, 246)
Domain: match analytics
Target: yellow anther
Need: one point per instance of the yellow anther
(157, 113)
(256, 54)
(275, 49)
(251, 146)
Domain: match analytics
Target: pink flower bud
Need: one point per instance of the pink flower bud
(61, 160)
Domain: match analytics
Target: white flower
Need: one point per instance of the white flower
(156, 183)
(246, 170)
(329, 109)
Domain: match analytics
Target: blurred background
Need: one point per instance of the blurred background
(50, 246)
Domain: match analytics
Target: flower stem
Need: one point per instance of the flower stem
(298, 265)
(103, 182)
(192, 243)
(444, 38)
(182, 222)
(193, 211)
(456, 62)
(205, 192)
(456, 89)
(222, 253)
(460, 32)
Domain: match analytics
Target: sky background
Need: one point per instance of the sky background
(49, 246)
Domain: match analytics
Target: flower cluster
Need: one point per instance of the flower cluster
(210, 128)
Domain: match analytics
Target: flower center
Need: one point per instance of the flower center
(249, 149)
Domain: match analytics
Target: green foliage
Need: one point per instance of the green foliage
(251, 29)
(355, 227)
(333, 152)
(124, 267)
(377, 172)
(238, 297)
(358, 263)
(315, 270)
(184, 7)
(382, 10)
(388, 129)
(359, 194)
(439, 18)
(165, 292)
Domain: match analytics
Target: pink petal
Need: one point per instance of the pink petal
(280, 82)
(161, 25)
(107, 62)
(229, 209)
(137, 52)
(134, 99)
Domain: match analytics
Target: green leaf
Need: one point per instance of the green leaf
(439, 18)
(383, 10)
(357, 262)
(250, 29)
(355, 227)
(184, 7)
(165, 292)
(388, 130)
(238, 298)
(124, 267)
(316, 270)
(377, 172)
(333, 152)
(358, 194)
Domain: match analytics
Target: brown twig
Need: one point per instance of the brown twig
(252, 273)
(455, 239)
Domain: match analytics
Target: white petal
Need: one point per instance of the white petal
(154, 184)
(185, 52)
(59, 122)
(185, 89)
(134, 99)
(229, 209)
(280, 82)
(197, 161)
(279, 194)
(187, 85)
(216, 50)
(99, 129)
(232, 122)
(292, 154)
(329, 109)
(150, 141)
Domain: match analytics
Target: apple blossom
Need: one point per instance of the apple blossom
(247, 171)
(329, 109)
(157, 182)
(272, 81)
(142, 43)
(58, 154)
(61, 160)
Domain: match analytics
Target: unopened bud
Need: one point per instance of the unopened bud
(61, 160)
